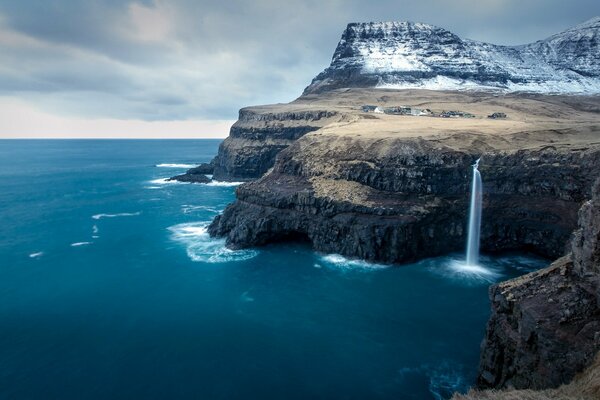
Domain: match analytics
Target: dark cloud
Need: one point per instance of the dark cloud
(188, 59)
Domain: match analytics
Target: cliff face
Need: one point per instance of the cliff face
(415, 55)
(395, 200)
(259, 134)
(545, 326)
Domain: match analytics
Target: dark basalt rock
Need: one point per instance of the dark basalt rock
(258, 136)
(191, 178)
(545, 326)
(202, 169)
(196, 174)
(413, 201)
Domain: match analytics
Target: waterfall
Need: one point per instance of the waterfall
(474, 217)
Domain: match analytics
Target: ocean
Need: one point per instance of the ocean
(110, 288)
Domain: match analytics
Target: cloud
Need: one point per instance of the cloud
(203, 60)
(21, 120)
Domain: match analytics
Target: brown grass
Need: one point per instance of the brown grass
(585, 386)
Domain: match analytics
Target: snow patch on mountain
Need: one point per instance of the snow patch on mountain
(415, 55)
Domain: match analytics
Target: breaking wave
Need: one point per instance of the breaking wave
(188, 166)
(163, 181)
(201, 247)
(343, 263)
(166, 181)
(77, 244)
(188, 208)
(222, 183)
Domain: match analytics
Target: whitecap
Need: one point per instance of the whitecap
(188, 208)
(188, 166)
(222, 183)
(77, 244)
(95, 229)
(95, 237)
(36, 255)
(343, 263)
(100, 216)
(163, 181)
(203, 248)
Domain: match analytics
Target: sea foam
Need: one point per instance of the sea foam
(201, 247)
(456, 268)
(222, 183)
(343, 263)
(163, 181)
(100, 216)
(175, 166)
(77, 244)
(189, 208)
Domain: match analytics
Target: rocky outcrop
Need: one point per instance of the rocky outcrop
(545, 326)
(259, 134)
(196, 174)
(395, 200)
(190, 178)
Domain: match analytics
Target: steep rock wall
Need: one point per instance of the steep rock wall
(545, 326)
(259, 135)
(396, 200)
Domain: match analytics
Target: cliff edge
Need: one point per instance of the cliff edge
(545, 326)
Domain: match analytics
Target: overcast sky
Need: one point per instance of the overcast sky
(183, 68)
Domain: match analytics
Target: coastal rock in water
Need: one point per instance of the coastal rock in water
(196, 174)
(545, 326)
(191, 178)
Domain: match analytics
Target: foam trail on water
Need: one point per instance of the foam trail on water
(163, 181)
(343, 263)
(77, 244)
(166, 181)
(474, 217)
(100, 216)
(222, 183)
(175, 165)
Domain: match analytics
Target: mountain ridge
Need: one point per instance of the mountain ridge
(414, 55)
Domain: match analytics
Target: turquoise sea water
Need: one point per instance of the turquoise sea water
(111, 289)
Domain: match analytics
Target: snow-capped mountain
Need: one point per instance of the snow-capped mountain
(415, 55)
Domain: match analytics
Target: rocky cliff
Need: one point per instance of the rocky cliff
(393, 189)
(415, 55)
(262, 132)
(545, 326)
